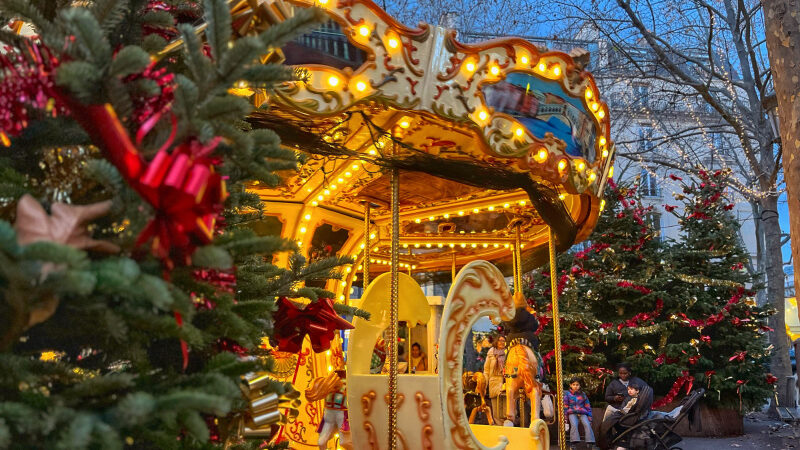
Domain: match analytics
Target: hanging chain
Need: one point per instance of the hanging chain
(562, 443)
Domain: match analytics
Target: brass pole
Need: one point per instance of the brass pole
(562, 443)
(393, 310)
(517, 261)
(453, 269)
(367, 245)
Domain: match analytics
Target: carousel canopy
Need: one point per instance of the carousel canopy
(488, 136)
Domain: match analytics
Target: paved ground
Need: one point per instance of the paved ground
(760, 433)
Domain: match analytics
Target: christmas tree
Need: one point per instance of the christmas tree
(714, 330)
(134, 293)
(609, 293)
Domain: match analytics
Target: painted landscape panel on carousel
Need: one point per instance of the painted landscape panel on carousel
(543, 107)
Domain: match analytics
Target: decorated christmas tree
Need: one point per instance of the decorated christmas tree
(134, 294)
(713, 330)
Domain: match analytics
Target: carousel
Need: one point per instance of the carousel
(422, 155)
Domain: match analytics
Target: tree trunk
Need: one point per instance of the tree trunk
(782, 23)
(779, 365)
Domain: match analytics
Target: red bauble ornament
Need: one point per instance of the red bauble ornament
(318, 320)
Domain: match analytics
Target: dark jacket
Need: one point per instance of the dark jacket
(617, 388)
(523, 325)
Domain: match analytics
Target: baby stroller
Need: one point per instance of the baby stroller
(657, 431)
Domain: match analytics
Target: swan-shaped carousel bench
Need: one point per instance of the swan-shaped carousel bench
(431, 413)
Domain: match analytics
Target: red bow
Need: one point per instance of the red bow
(318, 320)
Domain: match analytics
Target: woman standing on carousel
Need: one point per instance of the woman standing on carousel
(493, 370)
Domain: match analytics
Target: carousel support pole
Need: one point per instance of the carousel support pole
(367, 245)
(517, 260)
(393, 310)
(562, 442)
(453, 269)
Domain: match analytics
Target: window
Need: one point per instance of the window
(645, 138)
(641, 94)
(648, 184)
(653, 220)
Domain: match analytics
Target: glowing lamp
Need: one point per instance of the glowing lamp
(323, 2)
(417, 220)
(307, 217)
(524, 59)
(430, 219)
(470, 67)
(605, 153)
(602, 140)
(495, 70)
(361, 86)
(557, 70)
(581, 166)
(542, 67)
(602, 205)
(592, 176)
(340, 180)
(611, 172)
(541, 155)
(302, 229)
(595, 106)
(506, 205)
(589, 94)
(562, 165)
(601, 113)
(404, 124)
(446, 216)
(461, 213)
(348, 174)
(519, 132)
(393, 43)
(562, 196)
(333, 80)
(491, 208)
(363, 30)
(483, 115)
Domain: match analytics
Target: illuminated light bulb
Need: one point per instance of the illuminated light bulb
(522, 246)
(361, 86)
(417, 220)
(348, 174)
(431, 218)
(483, 115)
(542, 67)
(524, 59)
(601, 113)
(581, 166)
(496, 245)
(355, 166)
(485, 245)
(299, 243)
(333, 187)
(440, 245)
(522, 203)
(592, 176)
(307, 217)
(372, 151)
(393, 43)
(405, 245)
(376, 249)
(463, 245)
(506, 205)
(416, 245)
(542, 155)
(602, 205)
(446, 216)
(519, 132)
(363, 30)
(330, 368)
(404, 124)
(302, 230)
(461, 213)
(320, 197)
(427, 245)
(362, 246)
(328, 353)
(333, 80)
(372, 260)
(611, 172)
(413, 267)
(360, 267)
(314, 203)
(474, 245)
(494, 70)
(605, 153)
(340, 180)
(589, 94)
(308, 189)
(562, 196)
(475, 210)
(348, 269)
(595, 106)
(491, 208)
(372, 235)
(602, 141)
(562, 164)
(505, 245)
(452, 245)
(344, 283)
(557, 70)
(326, 192)
(470, 67)
(323, 2)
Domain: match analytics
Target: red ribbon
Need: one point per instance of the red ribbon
(318, 320)
(684, 380)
